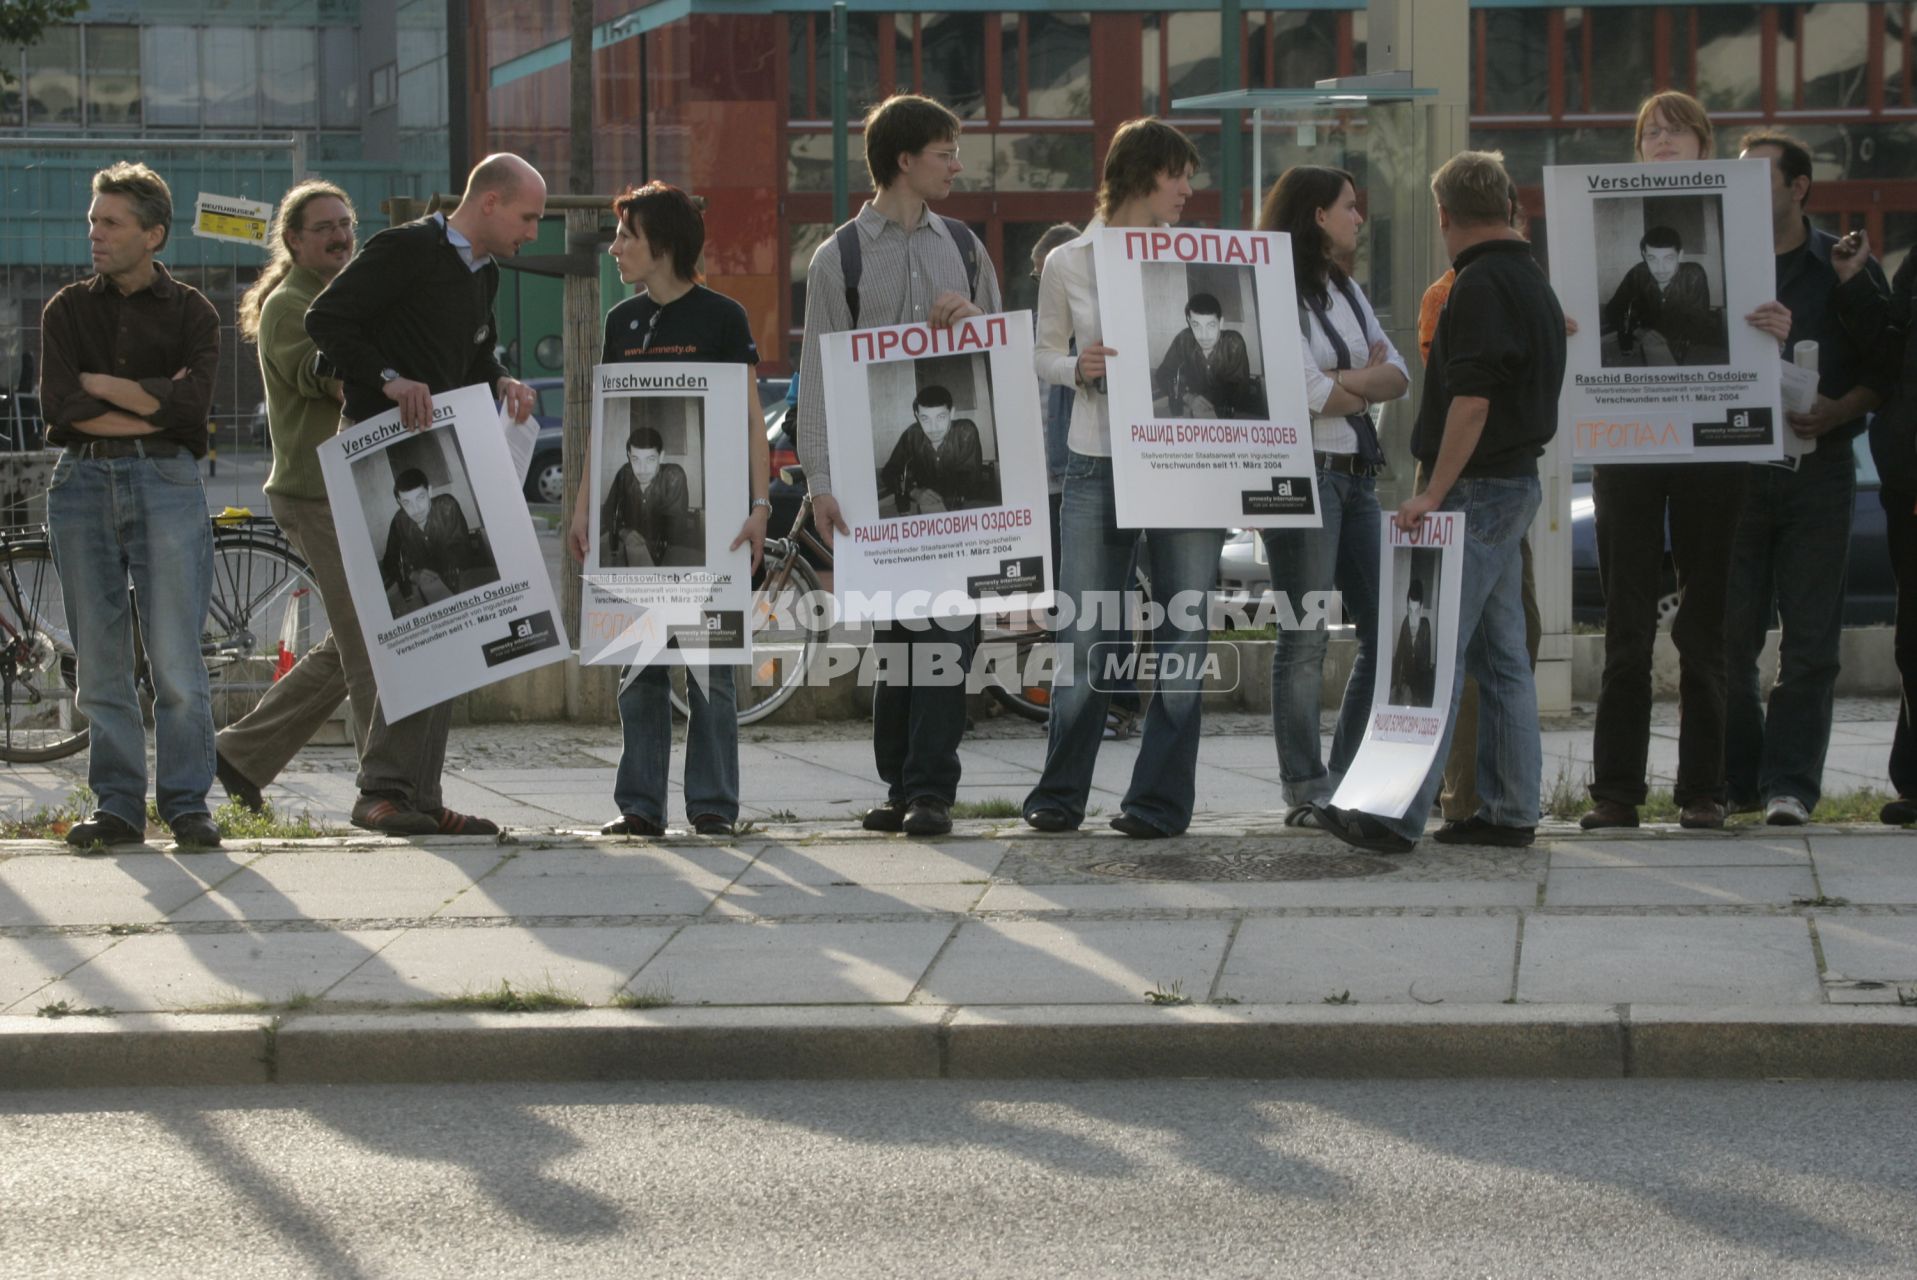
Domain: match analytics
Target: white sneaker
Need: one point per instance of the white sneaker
(1786, 811)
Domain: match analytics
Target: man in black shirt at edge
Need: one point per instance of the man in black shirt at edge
(1490, 407)
(408, 319)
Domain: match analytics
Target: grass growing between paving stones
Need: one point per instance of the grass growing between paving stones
(47, 822)
(52, 822)
(1343, 997)
(238, 1002)
(1567, 800)
(652, 996)
(1163, 995)
(506, 998)
(240, 823)
(996, 807)
(67, 1009)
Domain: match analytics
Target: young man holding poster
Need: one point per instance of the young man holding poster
(408, 319)
(909, 265)
(1794, 537)
(1490, 407)
(660, 237)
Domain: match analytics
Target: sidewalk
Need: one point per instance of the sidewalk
(806, 947)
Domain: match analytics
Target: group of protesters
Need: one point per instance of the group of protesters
(128, 361)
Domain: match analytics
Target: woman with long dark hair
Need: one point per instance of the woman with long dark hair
(1350, 365)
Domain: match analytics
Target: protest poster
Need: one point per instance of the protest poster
(1419, 574)
(1658, 264)
(939, 469)
(669, 489)
(1210, 427)
(440, 554)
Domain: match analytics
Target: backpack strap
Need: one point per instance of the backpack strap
(968, 250)
(852, 263)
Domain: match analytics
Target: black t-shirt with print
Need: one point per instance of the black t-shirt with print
(698, 325)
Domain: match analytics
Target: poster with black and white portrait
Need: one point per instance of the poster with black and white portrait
(670, 485)
(1210, 426)
(440, 554)
(1657, 265)
(1419, 575)
(939, 470)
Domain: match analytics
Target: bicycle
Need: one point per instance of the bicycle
(786, 637)
(265, 613)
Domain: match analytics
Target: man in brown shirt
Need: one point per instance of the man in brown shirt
(127, 358)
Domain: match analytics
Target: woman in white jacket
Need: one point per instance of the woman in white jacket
(1146, 182)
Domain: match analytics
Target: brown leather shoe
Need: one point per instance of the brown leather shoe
(1701, 815)
(1609, 813)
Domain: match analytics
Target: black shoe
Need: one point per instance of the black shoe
(103, 828)
(1050, 820)
(1475, 830)
(631, 824)
(238, 789)
(884, 818)
(1361, 830)
(926, 816)
(195, 831)
(1899, 812)
(711, 824)
(1137, 828)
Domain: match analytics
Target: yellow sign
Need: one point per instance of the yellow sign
(232, 218)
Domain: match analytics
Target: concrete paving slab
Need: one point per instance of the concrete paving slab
(584, 896)
(1874, 948)
(1379, 891)
(324, 884)
(1677, 886)
(195, 971)
(1611, 853)
(1769, 1042)
(1373, 959)
(876, 861)
(134, 886)
(771, 902)
(590, 964)
(140, 1051)
(1076, 962)
(769, 964)
(1667, 960)
(1875, 869)
(28, 964)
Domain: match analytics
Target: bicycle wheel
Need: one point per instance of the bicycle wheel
(1034, 701)
(38, 717)
(783, 642)
(264, 615)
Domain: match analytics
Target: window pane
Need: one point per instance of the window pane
(1044, 162)
(1896, 74)
(1150, 39)
(861, 60)
(953, 58)
(1515, 75)
(422, 96)
(1008, 104)
(1307, 48)
(229, 66)
(1622, 57)
(171, 86)
(13, 59)
(113, 75)
(339, 100)
(798, 68)
(806, 237)
(1576, 32)
(1729, 57)
(1836, 44)
(1060, 46)
(1194, 55)
(290, 84)
(53, 78)
(809, 163)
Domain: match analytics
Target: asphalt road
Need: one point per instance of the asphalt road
(1010, 1179)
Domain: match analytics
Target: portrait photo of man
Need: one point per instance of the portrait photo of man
(428, 546)
(1206, 373)
(1660, 313)
(938, 462)
(645, 519)
(1414, 659)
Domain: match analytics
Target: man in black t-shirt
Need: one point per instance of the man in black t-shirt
(657, 245)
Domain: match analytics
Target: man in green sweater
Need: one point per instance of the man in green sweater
(312, 240)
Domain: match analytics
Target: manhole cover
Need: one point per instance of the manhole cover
(1244, 866)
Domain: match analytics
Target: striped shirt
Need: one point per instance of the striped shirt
(900, 275)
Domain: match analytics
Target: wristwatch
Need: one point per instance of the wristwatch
(757, 503)
(388, 375)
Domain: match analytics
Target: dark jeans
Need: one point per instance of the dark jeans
(1702, 500)
(1793, 543)
(1900, 528)
(918, 706)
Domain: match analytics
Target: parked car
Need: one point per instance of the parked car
(1870, 593)
(546, 477)
(1243, 571)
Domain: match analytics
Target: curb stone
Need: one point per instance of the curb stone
(932, 1042)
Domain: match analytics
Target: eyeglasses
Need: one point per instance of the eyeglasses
(328, 228)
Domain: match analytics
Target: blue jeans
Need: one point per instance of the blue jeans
(712, 745)
(1098, 559)
(1343, 553)
(1793, 543)
(139, 520)
(1491, 647)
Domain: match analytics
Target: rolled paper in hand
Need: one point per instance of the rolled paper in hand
(1804, 356)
